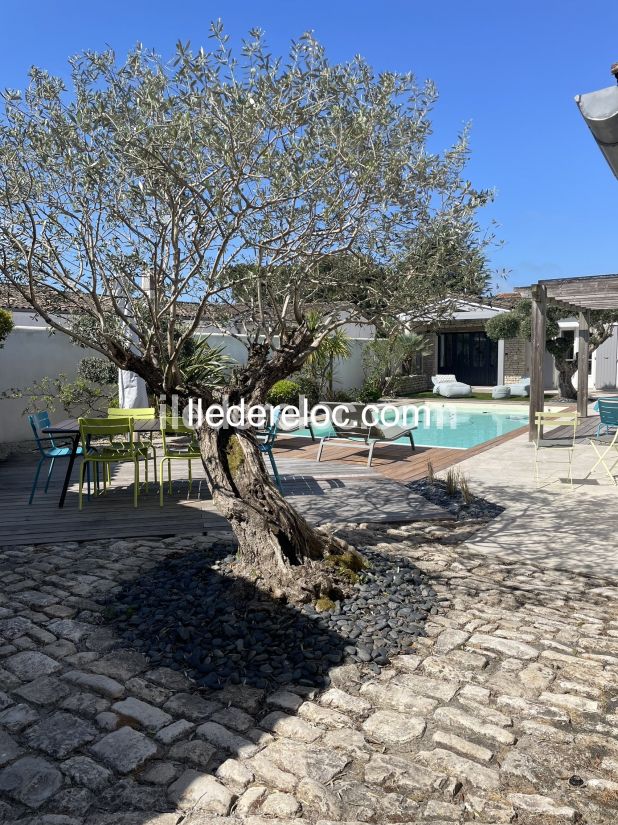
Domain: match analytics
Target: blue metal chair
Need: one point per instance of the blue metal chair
(266, 441)
(608, 414)
(47, 447)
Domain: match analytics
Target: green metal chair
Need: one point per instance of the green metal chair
(188, 450)
(118, 432)
(143, 439)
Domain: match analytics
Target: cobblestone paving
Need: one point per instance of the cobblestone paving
(505, 713)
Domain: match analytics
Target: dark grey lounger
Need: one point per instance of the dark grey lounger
(371, 434)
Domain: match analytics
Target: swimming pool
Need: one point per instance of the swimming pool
(452, 426)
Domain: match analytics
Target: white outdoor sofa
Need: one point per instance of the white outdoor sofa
(521, 389)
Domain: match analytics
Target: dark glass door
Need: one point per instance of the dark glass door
(471, 356)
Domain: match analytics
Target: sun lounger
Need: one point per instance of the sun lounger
(368, 433)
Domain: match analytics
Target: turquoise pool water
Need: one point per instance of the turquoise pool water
(453, 427)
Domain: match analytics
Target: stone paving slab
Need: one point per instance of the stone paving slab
(504, 712)
(555, 526)
(378, 500)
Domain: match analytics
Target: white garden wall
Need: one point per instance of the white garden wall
(31, 353)
(349, 374)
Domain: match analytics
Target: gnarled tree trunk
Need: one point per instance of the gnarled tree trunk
(560, 348)
(276, 543)
(566, 371)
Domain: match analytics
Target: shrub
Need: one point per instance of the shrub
(452, 481)
(283, 392)
(78, 397)
(431, 475)
(308, 388)
(457, 482)
(91, 392)
(385, 359)
(464, 489)
(6, 325)
(369, 393)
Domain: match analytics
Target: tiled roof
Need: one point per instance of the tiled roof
(51, 300)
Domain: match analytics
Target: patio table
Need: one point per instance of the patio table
(70, 428)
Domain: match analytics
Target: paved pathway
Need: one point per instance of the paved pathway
(505, 712)
(554, 526)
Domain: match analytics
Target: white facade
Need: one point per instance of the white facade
(30, 353)
(605, 364)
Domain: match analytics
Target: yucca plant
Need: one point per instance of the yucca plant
(320, 365)
(203, 365)
(385, 358)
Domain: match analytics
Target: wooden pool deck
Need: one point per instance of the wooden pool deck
(329, 491)
(393, 461)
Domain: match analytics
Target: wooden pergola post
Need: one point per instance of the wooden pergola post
(537, 355)
(582, 365)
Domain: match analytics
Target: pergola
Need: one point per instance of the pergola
(578, 295)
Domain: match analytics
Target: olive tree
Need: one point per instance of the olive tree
(140, 185)
(517, 324)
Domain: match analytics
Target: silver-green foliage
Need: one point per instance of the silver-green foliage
(385, 358)
(140, 185)
(518, 324)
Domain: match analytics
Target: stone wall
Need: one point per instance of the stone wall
(420, 378)
(515, 361)
(430, 359)
(405, 385)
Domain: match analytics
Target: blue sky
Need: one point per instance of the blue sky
(511, 67)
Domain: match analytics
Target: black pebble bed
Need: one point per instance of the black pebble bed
(190, 613)
(436, 493)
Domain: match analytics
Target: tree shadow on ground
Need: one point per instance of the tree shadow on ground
(192, 614)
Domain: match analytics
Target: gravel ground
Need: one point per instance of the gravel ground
(505, 712)
(473, 509)
(191, 612)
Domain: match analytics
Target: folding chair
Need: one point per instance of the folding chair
(603, 449)
(560, 442)
(608, 414)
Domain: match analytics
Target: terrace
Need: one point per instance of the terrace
(139, 673)
(110, 619)
(333, 490)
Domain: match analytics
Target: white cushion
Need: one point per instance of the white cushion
(443, 379)
(520, 390)
(454, 390)
(501, 391)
